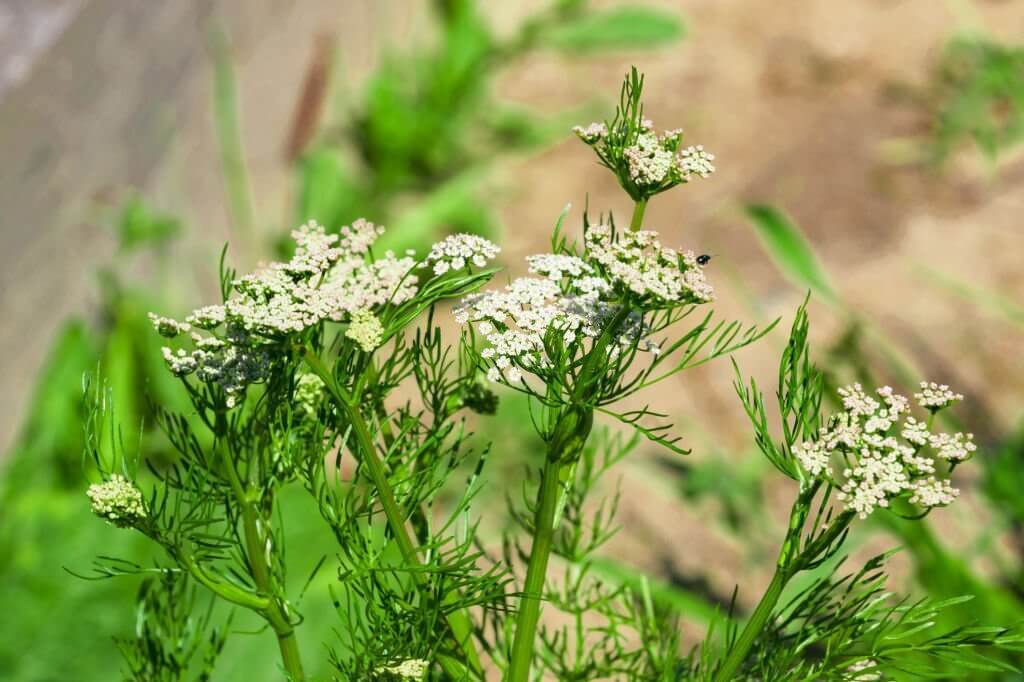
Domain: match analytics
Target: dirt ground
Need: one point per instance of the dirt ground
(795, 98)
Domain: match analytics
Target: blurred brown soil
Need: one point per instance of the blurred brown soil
(800, 101)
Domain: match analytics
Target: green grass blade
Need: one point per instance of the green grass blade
(790, 250)
(229, 137)
(624, 27)
(989, 300)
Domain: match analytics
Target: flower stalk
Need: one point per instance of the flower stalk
(570, 436)
(259, 549)
(636, 222)
(792, 559)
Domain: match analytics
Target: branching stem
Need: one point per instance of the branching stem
(459, 624)
(570, 436)
(258, 549)
(792, 560)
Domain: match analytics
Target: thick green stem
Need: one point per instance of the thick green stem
(224, 590)
(459, 623)
(536, 572)
(570, 436)
(791, 561)
(276, 613)
(754, 626)
(638, 215)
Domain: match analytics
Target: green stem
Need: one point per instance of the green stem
(570, 435)
(638, 215)
(224, 590)
(536, 572)
(458, 622)
(275, 613)
(791, 561)
(754, 626)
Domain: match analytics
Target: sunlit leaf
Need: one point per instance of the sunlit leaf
(626, 27)
(790, 250)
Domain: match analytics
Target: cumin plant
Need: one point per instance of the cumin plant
(329, 374)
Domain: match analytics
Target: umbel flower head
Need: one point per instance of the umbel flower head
(118, 501)
(366, 330)
(645, 162)
(330, 278)
(875, 451)
(574, 297)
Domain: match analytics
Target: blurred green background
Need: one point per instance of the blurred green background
(867, 151)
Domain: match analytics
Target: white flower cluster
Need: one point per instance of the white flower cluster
(515, 321)
(574, 297)
(649, 160)
(330, 277)
(208, 317)
(358, 237)
(366, 330)
(458, 250)
(356, 285)
(232, 362)
(167, 327)
(874, 451)
(117, 500)
(410, 669)
(638, 263)
(935, 396)
(591, 133)
(695, 161)
(555, 266)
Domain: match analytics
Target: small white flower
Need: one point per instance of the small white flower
(856, 402)
(454, 252)
(932, 492)
(167, 327)
(695, 161)
(915, 432)
(117, 500)
(935, 397)
(953, 447)
(814, 458)
(180, 363)
(649, 161)
(357, 238)
(557, 266)
(207, 317)
(591, 133)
